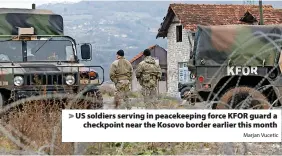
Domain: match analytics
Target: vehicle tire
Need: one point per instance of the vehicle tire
(184, 92)
(256, 100)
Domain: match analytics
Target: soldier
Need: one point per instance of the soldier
(148, 73)
(121, 74)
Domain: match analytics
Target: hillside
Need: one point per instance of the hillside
(110, 26)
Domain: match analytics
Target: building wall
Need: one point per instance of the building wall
(177, 52)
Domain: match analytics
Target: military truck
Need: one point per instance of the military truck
(37, 58)
(238, 66)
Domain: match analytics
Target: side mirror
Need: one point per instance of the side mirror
(86, 51)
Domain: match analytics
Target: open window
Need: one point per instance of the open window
(179, 33)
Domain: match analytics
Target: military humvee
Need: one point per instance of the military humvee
(238, 66)
(36, 57)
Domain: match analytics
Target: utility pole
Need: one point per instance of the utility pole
(261, 12)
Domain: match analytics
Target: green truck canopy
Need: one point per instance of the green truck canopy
(44, 22)
(249, 45)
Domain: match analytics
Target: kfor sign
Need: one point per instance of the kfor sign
(242, 70)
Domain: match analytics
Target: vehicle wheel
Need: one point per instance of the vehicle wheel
(256, 100)
(184, 92)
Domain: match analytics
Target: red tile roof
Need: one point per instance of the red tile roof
(140, 54)
(278, 13)
(191, 15)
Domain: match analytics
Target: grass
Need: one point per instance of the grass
(107, 90)
(143, 148)
(6, 143)
(37, 124)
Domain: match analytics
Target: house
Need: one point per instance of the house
(161, 55)
(179, 26)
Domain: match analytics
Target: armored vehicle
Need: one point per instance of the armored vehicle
(37, 58)
(238, 66)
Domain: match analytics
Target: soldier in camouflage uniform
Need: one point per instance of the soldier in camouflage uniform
(148, 73)
(121, 74)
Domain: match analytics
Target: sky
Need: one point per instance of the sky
(28, 3)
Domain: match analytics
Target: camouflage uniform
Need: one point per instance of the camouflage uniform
(148, 73)
(121, 74)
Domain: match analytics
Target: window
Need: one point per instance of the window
(163, 76)
(49, 50)
(69, 53)
(11, 51)
(179, 33)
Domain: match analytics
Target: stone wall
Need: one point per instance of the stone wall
(177, 52)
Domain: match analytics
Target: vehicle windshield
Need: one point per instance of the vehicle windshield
(11, 51)
(49, 50)
(39, 50)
